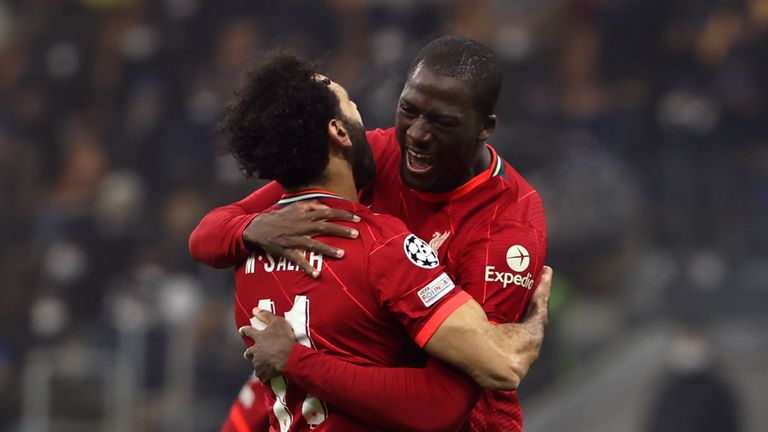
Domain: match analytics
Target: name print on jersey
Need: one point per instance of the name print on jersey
(518, 260)
(271, 264)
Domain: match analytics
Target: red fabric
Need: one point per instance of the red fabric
(248, 413)
(356, 310)
(474, 232)
(429, 329)
(434, 398)
(218, 239)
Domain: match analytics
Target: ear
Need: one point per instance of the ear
(488, 126)
(338, 134)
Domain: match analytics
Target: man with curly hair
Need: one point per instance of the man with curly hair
(295, 126)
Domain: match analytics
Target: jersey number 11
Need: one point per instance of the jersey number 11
(313, 409)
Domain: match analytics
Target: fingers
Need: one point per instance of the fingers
(538, 309)
(298, 258)
(546, 275)
(317, 246)
(312, 205)
(307, 267)
(335, 230)
(305, 243)
(328, 213)
(315, 211)
(545, 283)
(262, 315)
(250, 332)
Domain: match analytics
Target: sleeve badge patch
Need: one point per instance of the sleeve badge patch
(419, 252)
(436, 290)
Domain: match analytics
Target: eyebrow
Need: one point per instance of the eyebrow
(440, 116)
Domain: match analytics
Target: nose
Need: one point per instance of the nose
(418, 133)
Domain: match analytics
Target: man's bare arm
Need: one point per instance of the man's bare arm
(495, 356)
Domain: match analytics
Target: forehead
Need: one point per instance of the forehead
(436, 92)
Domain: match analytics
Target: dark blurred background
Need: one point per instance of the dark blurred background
(643, 124)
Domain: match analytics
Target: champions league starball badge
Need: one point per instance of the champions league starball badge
(420, 253)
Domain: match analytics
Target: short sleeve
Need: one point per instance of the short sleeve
(406, 276)
(500, 266)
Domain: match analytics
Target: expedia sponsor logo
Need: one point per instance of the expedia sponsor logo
(518, 260)
(506, 278)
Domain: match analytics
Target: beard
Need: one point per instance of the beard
(359, 155)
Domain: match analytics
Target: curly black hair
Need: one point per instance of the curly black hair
(276, 127)
(467, 60)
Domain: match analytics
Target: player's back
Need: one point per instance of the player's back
(358, 309)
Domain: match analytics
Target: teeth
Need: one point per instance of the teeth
(419, 161)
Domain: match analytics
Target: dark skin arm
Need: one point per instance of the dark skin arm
(290, 230)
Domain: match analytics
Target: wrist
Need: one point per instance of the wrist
(292, 365)
(248, 235)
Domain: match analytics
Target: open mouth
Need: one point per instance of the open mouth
(417, 162)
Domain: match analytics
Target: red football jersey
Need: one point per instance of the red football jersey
(489, 233)
(377, 306)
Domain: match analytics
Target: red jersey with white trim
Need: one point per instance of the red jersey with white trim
(377, 306)
(489, 233)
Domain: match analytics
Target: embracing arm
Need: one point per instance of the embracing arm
(218, 239)
(403, 398)
(495, 356)
(224, 236)
(436, 397)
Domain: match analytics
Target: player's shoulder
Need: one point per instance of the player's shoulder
(394, 246)
(516, 181)
(518, 199)
(506, 225)
(386, 152)
(503, 219)
(382, 227)
(381, 134)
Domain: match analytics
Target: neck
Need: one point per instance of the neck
(483, 161)
(337, 178)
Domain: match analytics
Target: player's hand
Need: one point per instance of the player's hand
(272, 346)
(288, 232)
(537, 313)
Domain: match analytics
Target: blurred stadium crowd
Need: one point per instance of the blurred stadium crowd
(641, 122)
